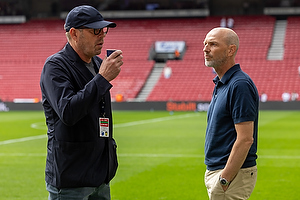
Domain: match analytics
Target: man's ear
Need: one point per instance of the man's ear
(74, 34)
(232, 50)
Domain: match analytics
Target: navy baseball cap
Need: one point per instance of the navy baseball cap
(86, 16)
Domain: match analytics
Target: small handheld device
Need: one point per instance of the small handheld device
(109, 51)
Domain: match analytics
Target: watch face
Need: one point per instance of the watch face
(223, 182)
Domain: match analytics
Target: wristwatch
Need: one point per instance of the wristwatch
(223, 181)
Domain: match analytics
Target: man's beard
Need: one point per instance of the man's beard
(216, 62)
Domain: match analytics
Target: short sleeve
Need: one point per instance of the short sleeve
(244, 101)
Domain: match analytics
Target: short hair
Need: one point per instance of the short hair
(232, 39)
(68, 36)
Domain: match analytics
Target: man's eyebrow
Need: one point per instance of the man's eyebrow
(210, 42)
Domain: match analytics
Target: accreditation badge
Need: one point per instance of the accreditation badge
(104, 127)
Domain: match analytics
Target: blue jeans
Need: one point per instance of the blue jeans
(82, 193)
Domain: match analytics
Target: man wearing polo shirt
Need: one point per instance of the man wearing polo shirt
(232, 119)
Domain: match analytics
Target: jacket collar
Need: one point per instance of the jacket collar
(72, 55)
(78, 64)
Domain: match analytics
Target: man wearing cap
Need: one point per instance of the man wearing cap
(75, 85)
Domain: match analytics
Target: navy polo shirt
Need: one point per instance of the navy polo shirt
(235, 100)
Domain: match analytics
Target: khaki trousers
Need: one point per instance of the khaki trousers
(240, 188)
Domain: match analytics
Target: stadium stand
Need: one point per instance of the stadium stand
(255, 32)
(197, 84)
(274, 77)
(26, 46)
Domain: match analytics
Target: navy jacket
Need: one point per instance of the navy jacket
(73, 101)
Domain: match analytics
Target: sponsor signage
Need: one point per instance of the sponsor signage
(186, 106)
(169, 46)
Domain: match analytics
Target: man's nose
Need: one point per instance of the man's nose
(205, 48)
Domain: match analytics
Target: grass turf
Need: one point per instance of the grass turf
(160, 155)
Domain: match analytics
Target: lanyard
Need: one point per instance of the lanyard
(102, 108)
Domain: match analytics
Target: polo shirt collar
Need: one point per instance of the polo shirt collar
(227, 75)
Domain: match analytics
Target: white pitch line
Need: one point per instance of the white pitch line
(22, 139)
(38, 126)
(149, 155)
(278, 157)
(22, 154)
(198, 156)
(147, 121)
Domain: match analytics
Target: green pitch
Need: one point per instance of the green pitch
(160, 156)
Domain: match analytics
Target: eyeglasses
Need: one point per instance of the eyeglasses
(96, 31)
